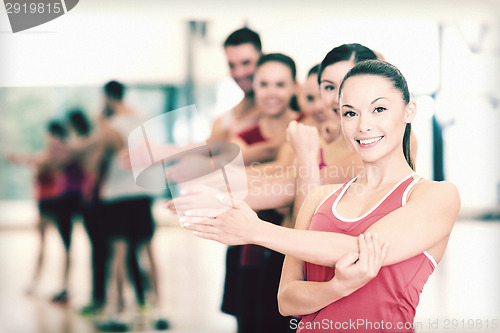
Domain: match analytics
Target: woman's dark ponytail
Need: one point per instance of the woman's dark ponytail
(406, 145)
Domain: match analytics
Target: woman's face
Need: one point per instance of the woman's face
(310, 101)
(374, 116)
(331, 78)
(274, 87)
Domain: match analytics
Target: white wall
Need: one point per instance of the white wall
(144, 41)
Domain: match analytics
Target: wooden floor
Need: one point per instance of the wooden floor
(461, 296)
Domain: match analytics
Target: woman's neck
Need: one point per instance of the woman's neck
(281, 119)
(331, 132)
(245, 108)
(340, 141)
(248, 101)
(386, 171)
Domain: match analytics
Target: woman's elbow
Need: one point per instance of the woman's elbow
(284, 309)
(284, 305)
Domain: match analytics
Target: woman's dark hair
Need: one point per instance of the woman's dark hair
(281, 58)
(244, 36)
(345, 52)
(287, 61)
(57, 129)
(114, 90)
(79, 121)
(294, 103)
(391, 72)
(313, 70)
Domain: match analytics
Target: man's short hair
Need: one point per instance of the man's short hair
(244, 36)
(114, 90)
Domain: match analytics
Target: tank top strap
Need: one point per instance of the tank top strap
(400, 192)
(391, 201)
(396, 198)
(330, 198)
(415, 179)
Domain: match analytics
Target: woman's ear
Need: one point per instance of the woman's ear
(410, 111)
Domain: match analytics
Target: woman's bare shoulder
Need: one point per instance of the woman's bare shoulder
(311, 203)
(426, 186)
(443, 193)
(319, 193)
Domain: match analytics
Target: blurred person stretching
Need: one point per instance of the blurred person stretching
(126, 220)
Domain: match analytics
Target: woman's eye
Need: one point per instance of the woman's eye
(380, 109)
(349, 114)
(329, 88)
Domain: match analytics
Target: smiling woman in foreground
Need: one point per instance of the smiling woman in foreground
(331, 274)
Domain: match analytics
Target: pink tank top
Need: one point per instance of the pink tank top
(388, 302)
(252, 135)
(49, 185)
(253, 255)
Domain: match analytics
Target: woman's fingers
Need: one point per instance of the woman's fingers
(200, 226)
(169, 204)
(347, 260)
(354, 270)
(378, 254)
(229, 201)
(209, 236)
(176, 203)
(211, 229)
(371, 253)
(376, 245)
(204, 232)
(187, 220)
(204, 212)
(364, 254)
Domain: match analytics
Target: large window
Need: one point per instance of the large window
(26, 111)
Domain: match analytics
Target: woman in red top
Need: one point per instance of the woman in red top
(256, 270)
(414, 215)
(274, 86)
(49, 185)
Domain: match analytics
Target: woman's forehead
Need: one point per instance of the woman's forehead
(367, 86)
(368, 80)
(336, 71)
(273, 68)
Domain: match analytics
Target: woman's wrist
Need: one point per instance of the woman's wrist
(307, 169)
(257, 233)
(266, 234)
(338, 290)
(306, 165)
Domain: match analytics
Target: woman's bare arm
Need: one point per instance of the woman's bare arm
(352, 271)
(422, 223)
